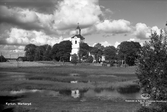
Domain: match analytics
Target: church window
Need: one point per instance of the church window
(75, 42)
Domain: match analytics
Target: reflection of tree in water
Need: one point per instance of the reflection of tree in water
(7, 99)
(65, 92)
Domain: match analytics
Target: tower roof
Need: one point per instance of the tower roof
(78, 27)
(78, 36)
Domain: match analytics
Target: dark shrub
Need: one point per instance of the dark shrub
(129, 89)
(90, 59)
(74, 59)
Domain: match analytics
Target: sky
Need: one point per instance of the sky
(108, 22)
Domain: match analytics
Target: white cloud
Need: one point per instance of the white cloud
(105, 43)
(65, 17)
(115, 26)
(144, 32)
(131, 39)
(26, 18)
(156, 29)
(141, 43)
(116, 44)
(12, 50)
(24, 37)
(71, 12)
(85, 31)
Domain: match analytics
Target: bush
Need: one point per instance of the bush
(74, 59)
(90, 59)
(152, 67)
(129, 89)
(112, 63)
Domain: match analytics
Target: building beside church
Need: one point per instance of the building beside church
(76, 40)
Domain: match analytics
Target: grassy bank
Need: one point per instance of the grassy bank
(59, 77)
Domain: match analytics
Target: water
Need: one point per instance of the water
(24, 91)
(86, 94)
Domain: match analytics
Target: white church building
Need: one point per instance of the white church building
(76, 40)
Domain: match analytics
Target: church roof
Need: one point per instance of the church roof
(78, 36)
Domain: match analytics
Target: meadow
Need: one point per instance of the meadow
(47, 87)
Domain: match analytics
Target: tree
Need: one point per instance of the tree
(99, 46)
(97, 50)
(39, 52)
(47, 53)
(110, 53)
(128, 51)
(61, 51)
(84, 51)
(54, 52)
(30, 51)
(37, 56)
(152, 67)
(90, 59)
(74, 59)
(84, 46)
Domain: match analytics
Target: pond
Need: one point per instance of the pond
(81, 94)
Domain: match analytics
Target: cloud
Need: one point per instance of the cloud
(105, 43)
(144, 32)
(26, 18)
(12, 51)
(24, 37)
(17, 16)
(86, 31)
(156, 29)
(116, 44)
(115, 26)
(43, 6)
(66, 15)
(131, 39)
(71, 12)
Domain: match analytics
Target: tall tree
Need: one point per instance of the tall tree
(128, 51)
(84, 51)
(30, 51)
(99, 46)
(97, 51)
(110, 53)
(152, 68)
(39, 52)
(54, 52)
(47, 53)
(61, 51)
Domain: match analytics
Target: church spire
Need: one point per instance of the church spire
(78, 30)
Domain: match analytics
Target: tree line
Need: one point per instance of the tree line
(126, 51)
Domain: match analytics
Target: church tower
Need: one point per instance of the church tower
(76, 40)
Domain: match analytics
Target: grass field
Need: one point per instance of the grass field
(56, 77)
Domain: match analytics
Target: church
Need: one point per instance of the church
(76, 40)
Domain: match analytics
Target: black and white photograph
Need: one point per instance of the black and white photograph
(83, 55)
